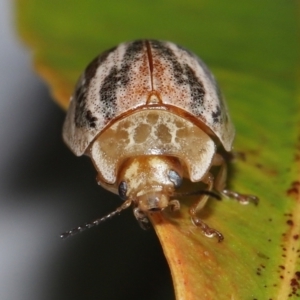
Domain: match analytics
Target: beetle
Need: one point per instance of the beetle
(149, 113)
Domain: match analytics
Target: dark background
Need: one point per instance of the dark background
(45, 190)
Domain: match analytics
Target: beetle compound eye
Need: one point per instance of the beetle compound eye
(123, 190)
(175, 178)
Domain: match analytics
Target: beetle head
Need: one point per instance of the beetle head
(149, 181)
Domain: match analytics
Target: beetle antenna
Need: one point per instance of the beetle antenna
(199, 192)
(96, 222)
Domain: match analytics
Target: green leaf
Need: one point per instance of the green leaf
(252, 48)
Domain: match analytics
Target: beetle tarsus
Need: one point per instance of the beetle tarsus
(241, 198)
(208, 231)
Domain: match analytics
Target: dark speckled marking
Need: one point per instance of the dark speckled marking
(130, 55)
(108, 94)
(197, 91)
(216, 115)
(118, 79)
(219, 115)
(79, 98)
(183, 74)
(91, 119)
(84, 117)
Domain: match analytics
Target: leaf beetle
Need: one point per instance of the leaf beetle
(149, 113)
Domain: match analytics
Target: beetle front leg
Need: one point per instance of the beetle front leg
(141, 218)
(220, 182)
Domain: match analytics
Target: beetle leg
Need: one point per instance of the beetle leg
(220, 182)
(141, 218)
(174, 205)
(209, 232)
(199, 204)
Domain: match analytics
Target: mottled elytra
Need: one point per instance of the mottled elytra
(149, 113)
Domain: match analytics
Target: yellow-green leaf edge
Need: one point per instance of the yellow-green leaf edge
(252, 48)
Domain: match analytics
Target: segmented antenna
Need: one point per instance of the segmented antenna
(96, 222)
(199, 192)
